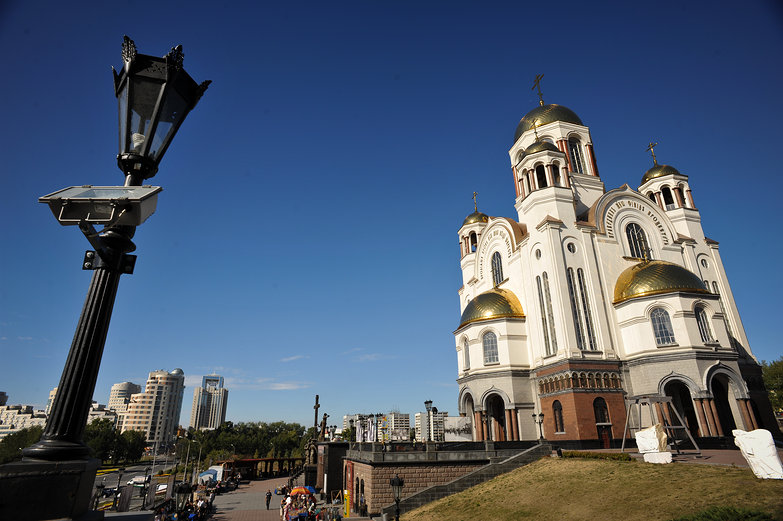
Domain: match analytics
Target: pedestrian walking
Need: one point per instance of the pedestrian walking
(268, 498)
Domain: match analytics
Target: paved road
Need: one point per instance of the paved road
(248, 502)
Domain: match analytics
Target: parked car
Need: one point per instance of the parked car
(138, 481)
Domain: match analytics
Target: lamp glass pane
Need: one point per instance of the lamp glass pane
(144, 96)
(123, 112)
(171, 115)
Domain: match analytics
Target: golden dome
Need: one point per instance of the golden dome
(539, 146)
(495, 303)
(659, 171)
(475, 217)
(655, 278)
(544, 114)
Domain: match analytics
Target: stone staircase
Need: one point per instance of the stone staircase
(470, 479)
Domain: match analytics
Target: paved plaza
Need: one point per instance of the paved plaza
(248, 502)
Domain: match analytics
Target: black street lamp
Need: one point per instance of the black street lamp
(539, 419)
(155, 95)
(396, 484)
(428, 406)
(117, 490)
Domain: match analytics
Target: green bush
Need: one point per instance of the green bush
(727, 514)
(616, 456)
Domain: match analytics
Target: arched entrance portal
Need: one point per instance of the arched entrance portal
(720, 392)
(497, 418)
(682, 401)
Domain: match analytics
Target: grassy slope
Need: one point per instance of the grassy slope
(578, 489)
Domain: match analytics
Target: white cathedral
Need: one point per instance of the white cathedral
(591, 299)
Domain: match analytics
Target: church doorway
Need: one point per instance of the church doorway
(720, 393)
(681, 400)
(497, 418)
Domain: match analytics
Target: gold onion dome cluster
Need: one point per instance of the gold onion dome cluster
(495, 303)
(539, 146)
(654, 278)
(659, 171)
(544, 114)
(475, 217)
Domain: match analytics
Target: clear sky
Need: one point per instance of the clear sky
(306, 239)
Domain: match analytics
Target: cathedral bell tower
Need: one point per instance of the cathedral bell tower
(553, 152)
(469, 233)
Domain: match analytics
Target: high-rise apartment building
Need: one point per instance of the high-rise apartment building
(50, 401)
(120, 395)
(209, 403)
(156, 411)
(430, 426)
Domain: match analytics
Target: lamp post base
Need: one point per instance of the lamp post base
(33, 489)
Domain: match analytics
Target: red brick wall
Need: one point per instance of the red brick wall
(578, 415)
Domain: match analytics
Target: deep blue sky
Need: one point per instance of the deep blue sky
(306, 239)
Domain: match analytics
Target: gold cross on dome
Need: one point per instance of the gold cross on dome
(537, 84)
(475, 205)
(651, 149)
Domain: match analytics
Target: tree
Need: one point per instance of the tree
(773, 381)
(101, 436)
(11, 446)
(134, 443)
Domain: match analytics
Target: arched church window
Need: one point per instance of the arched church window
(473, 242)
(668, 199)
(679, 196)
(557, 412)
(601, 410)
(575, 308)
(541, 176)
(591, 343)
(704, 325)
(547, 316)
(556, 175)
(662, 327)
(490, 343)
(497, 269)
(637, 242)
(465, 355)
(651, 196)
(575, 151)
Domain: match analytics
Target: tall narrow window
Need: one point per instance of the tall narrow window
(556, 175)
(575, 151)
(591, 343)
(601, 411)
(704, 325)
(557, 412)
(473, 242)
(550, 315)
(668, 199)
(542, 311)
(465, 355)
(575, 309)
(497, 269)
(723, 311)
(541, 176)
(637, 241)
(490, 344)
(662, 327)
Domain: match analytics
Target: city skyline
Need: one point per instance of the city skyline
(305, 241)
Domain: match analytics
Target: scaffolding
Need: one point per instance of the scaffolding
(659, 408)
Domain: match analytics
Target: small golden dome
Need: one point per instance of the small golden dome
(544, 114)
(539, 146)
(659, 171)
(475, 217)
(495, 303)
(655, 278)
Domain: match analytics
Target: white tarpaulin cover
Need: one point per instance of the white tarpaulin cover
(652, 439)
(759, 451)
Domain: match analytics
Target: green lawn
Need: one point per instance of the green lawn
(597, 490)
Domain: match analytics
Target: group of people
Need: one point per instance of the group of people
(295, 507)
